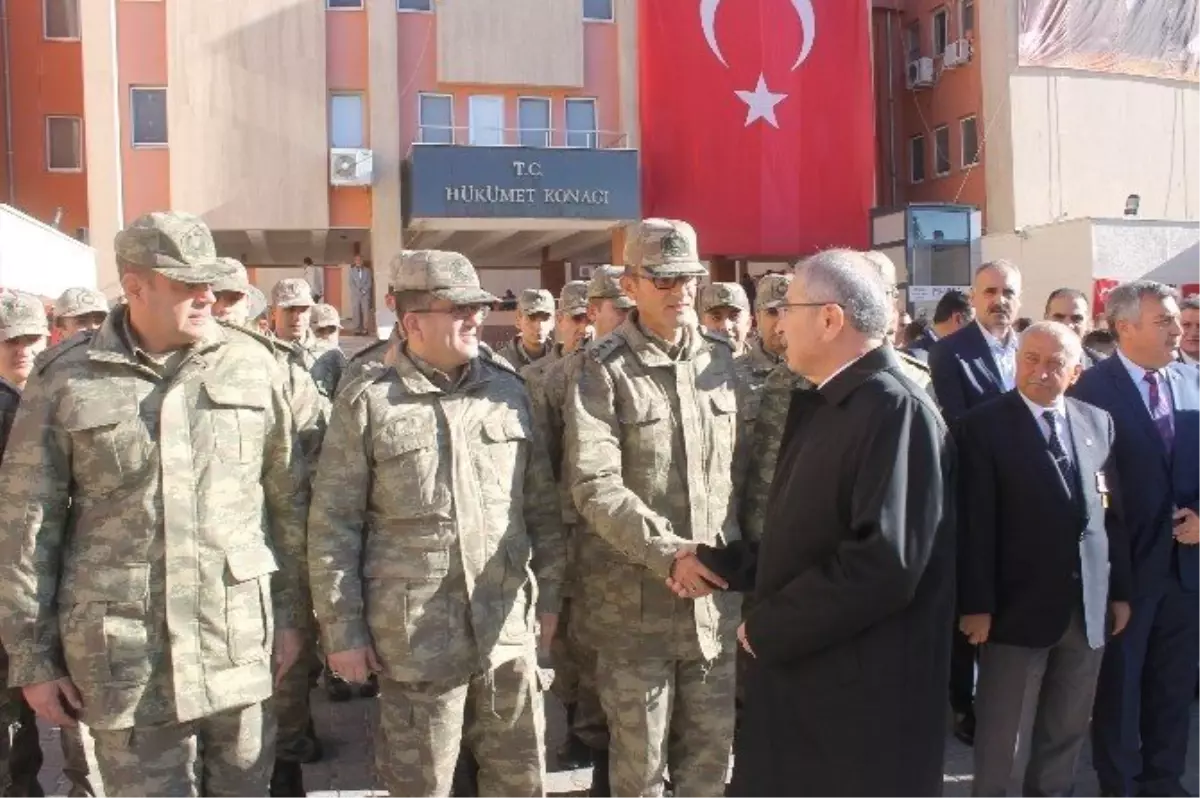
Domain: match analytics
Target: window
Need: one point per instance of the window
(60, 19)
(970, 142)
(414, 5)
(339, 4)
(598, 10)
(966, 17)
(912, 35)
(435, 115)
(941, 20)
(64, 143)
(485, 120)
(346, 120)
(941, 150)
(533, 118)
(149, 111)
(916, 159)
(581, 123)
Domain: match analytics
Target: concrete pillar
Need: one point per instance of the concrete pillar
(386, 232)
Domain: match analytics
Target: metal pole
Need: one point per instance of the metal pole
(10, 176)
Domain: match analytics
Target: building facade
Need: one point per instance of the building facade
(331, 128)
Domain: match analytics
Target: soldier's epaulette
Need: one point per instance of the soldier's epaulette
(269, 341)
(716, 337)
(912, 361)
(489, 356)
(602, 349)
(369, 351)
(48, 356)
(361, 379)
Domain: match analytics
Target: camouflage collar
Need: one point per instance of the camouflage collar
(418, 377)
(654, 351)
(518, 346)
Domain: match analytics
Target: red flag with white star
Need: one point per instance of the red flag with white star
(757, 122)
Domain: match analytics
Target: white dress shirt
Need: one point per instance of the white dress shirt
(1005, 355)
(1059, 408)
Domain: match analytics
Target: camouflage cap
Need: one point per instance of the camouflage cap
(78, 301)
(771, 291)
(723, 295)
(237, 279)
(325, 315)
(177, 245)
(292, 292)
(574, 297)
(606, 284)
(663, 248)
(446, 275)
(22, 314)
(535, 300)
(256, 302)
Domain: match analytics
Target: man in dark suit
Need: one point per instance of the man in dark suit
(1070, 307)
(853, 588)
(953, 312)
(973, 365)
(1040, 559)
(1140, 720)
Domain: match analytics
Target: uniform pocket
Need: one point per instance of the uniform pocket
(110, 444)
(406, 456)
(407, 606)
(237, 415)
(506, 438)
(249, 613)
(106, 634)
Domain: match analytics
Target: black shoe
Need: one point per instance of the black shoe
(338, 688)
(313, 751)
(964, 727)
(371, 688)
(287, 780)
(465, 783)
(600, 786)
(573, 754)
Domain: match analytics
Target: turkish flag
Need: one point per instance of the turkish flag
(1100, 288)
(757, 122)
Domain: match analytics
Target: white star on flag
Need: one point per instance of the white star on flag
(760, 103)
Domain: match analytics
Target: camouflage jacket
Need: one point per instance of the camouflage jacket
(323, 362)
(515, 353)
(774, 400)
(428, 504)
(916, 370)
(145, 515)
(753, 367)
(652, 460)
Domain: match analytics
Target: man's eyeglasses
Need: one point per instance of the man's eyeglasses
(459, 312)
(666, 283)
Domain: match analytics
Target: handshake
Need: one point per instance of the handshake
(699, 569)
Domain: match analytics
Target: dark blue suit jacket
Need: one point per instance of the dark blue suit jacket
(1152, 483)
(965, 374)
(920, 347)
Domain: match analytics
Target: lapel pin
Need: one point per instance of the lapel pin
(1087, 442)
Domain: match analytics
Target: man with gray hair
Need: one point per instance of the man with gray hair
(914, 369)
(1147, 682)
(860, 555)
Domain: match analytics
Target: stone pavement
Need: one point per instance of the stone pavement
(347, 769)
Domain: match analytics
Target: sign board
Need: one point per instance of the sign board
(446, 181)
(930, 293)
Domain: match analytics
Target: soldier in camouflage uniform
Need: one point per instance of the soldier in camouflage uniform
(327, 324)
(23, 335)
(606, 306)
(154, 489)
(570, 332)
(432, 494)
(292, 304)
(914, 369)
(725, 310)
(80, 309)
(237, 300)
(764, 352)
(652, 431)
(535, 322)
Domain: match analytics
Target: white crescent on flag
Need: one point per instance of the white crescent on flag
(804, 10)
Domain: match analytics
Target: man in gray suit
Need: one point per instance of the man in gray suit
(1043, 563)
(360, 295)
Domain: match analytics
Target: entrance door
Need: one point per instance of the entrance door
(486, 121)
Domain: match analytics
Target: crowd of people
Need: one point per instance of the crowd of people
(756, 522)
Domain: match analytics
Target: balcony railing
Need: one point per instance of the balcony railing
(478, 136)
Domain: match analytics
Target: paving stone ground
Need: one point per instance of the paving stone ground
(348, 770)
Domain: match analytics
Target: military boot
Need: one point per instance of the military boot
(573, 754)
(287, 780)
(337, 688)
(371, 688)
(600, 787)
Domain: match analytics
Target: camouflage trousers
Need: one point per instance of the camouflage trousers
(497, 715)
(664, 713)
(79, 762)
(20, 749)
(575, 682)
(229, 753)
(291, 700)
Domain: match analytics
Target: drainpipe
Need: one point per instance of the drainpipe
(8, 126)
(891, 108)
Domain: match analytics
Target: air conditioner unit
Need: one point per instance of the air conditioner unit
(957, 53)
(919, 74)
(350, 167)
